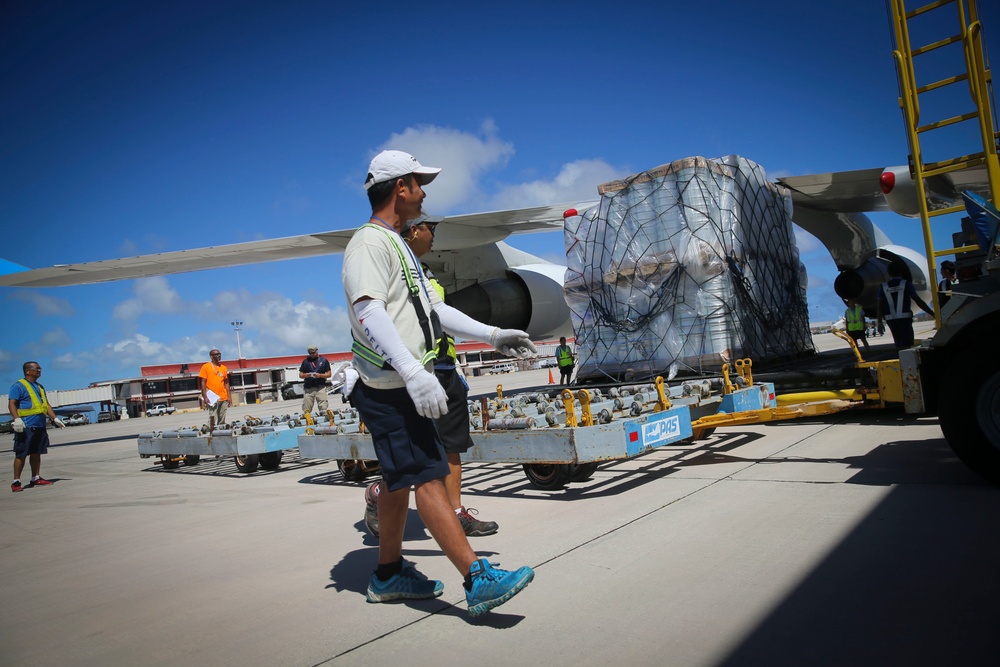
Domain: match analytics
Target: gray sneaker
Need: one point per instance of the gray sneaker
(474, 527)
(407, 585)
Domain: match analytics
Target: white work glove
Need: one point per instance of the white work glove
(59, 423)
(427, 393)
(349, 377)
(424, 389)
(19, 425)
(513, 343)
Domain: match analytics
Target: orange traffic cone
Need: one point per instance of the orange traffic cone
(551, 381)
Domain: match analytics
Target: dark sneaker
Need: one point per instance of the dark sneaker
(491, 587)
(473, 526)
(371, 508)
(407, 585)
(40, 482)
(16, 486)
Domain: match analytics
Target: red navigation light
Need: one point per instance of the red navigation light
(887, 181)
(569, 213)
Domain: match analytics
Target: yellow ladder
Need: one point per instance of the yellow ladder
(977, 73)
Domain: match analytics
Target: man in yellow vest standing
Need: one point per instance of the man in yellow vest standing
(564, 357)
(856, 326)
(30, 408)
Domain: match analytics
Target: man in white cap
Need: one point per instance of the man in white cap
(395, 318)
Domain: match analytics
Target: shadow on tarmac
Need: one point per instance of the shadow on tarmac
(914, 584)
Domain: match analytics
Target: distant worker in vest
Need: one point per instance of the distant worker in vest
(213, 379)
(398, 397)
(894, 306)
(452, 427)
(564, 357)
(30, 408)
(315, 371)
(856, 326)
(947, 281)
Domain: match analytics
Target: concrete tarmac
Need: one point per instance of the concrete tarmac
(857, 539)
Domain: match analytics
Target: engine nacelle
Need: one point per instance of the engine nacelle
(530, 298)
(864, 282)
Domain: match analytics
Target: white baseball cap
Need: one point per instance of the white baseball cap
(389, 165)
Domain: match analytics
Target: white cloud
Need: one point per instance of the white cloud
(576, 181)
(152, 295)
(463, 157)
(43, 304)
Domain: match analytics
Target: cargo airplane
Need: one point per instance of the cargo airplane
(496, 283)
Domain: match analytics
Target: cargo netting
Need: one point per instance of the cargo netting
(683, 268)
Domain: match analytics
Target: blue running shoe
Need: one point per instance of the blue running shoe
(491, 587)
(407, 585)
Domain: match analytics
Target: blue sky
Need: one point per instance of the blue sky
(132, 128)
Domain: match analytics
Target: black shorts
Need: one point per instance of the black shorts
(454, 426)
(31, 441)
(407, 445)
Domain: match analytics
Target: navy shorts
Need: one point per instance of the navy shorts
(31, 441)
(454, 426)
(407, 445)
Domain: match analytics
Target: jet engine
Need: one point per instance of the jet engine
(863, 283)
(528, 297)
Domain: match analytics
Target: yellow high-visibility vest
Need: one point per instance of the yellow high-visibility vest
(39, 406)
(855, 318)
(451, 341)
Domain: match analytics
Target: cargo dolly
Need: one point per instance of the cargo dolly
(252, 443)
(564, 440)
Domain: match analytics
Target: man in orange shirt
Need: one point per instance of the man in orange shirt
(214, 377)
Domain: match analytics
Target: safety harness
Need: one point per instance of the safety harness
(426, 324)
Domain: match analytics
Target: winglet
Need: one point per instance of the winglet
(7, 266)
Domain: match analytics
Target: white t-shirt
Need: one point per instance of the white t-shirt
(372, 268)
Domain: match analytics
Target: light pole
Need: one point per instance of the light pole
(236, 325)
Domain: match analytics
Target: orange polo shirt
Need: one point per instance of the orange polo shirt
(215, 377)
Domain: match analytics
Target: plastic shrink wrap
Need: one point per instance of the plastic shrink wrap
(685, 267)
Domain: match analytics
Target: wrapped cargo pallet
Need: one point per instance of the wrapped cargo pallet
(685, 267)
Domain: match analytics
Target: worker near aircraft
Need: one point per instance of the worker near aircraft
(315, 371)
(947, 281)
(894, 300)
(453, 426)
(564, 358)
(395, 318)
(855, 318)
(30, 408)
(213, 379)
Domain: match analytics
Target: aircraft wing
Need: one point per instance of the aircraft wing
(455, 232)
(843, 192)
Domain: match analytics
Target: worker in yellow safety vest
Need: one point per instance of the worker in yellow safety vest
(856, 326)
(30, 408)
(564, 357)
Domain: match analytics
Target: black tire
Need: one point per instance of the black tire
(581, 472)
(191, 460)
(970, 413)
(548, 476)
(247, 463)
(351, 469)
(270, 460)
(170, 462)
